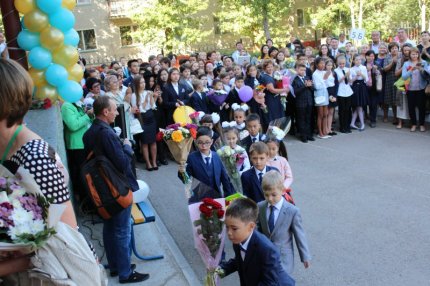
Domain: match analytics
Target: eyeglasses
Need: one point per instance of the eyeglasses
(207, 143)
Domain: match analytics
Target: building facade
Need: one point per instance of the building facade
(104, 29)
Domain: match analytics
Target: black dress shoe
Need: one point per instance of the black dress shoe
(332, 133)
(164, 162)
(135, 277)
(372, 125)
(311, 138)
(304, 140)
(348, 131)
(155, 168)
(149, 169)
(115, 273)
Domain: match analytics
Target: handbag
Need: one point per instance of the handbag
(319, 97)
(379, 82)
(135, 126)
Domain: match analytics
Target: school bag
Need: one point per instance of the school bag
(107, 187)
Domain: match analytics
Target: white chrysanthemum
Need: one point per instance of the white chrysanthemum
(18, 230)
(3, 198)
(17, 193)
(37, 226)
(20, 215)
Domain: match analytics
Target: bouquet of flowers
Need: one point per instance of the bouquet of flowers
(217, 96)
(179, 139)
(209, 234)
(281, 83)
(24, 221)
(233, 160)
(259, 96)
(196, 117)
(289, 63)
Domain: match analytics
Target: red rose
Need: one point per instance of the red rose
(205, 210)
(208, 201)
(159, 136)
(47, 103)
(220, 213)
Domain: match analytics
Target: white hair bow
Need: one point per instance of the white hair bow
(227, 124)
(201, 114)
(215, 117)
(236, 106)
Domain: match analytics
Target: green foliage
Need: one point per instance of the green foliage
(247, 18)
(173, 25)
(380, 15)
(36, 240)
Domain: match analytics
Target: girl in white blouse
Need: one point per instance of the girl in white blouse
(331, 89)
(319, 78)
(358, 74)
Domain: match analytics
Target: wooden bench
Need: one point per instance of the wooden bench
(141, 213)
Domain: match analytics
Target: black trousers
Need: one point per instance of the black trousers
(373, 106)
(304, 121)
(75, 158)
(344, 105)
(416, 98)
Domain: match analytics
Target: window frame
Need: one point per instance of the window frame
(81, 36)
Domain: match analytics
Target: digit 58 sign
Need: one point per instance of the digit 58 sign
(357, 34)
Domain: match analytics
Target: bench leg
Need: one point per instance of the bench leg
(134, 250)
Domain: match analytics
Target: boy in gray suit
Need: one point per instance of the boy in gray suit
(279, 221)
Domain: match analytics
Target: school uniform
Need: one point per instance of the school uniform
(171, 94)
(258, 262)
(187, 84)
(248, 140)
(251, 183)
(359, 87)
(280, 223)
(199, 101)
(344, 93)
(304, 105)
(210, 171)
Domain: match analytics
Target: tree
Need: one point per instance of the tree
(258, 19)
(170, 24)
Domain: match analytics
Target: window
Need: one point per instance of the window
(80, 2)
(87, 40)
(304, 17)
(125, 33)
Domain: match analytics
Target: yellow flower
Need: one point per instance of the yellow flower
(177, 136)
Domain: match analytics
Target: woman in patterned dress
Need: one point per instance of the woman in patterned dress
(390, 78)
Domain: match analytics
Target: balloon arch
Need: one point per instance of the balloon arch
(48, 35)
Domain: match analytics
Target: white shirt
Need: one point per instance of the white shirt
(257, 172)
(375, 48)
(176, 87)
(204, 157)
(276, 210)
(227, 88)
(354, 71)
(257, 138)
(143, 108)
(318, 79)
(342, 44)
(245, 246)
(344, 89)
(329, 82)
(334, 53)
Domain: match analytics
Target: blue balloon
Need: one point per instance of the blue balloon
(63, 20)
(22, 23)
(28, 40)
(49, 6)
(56, 75)
(71, 38)
(39, 58)
(70, 91)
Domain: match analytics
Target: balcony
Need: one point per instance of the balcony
(120, 9)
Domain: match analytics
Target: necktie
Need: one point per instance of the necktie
(208, 161)
(344, 74)
(260, 177)
(242, 248)
(254, 139)
(271, 221)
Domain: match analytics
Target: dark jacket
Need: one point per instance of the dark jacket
(304, 95)
(262, 264)
(170, 98)
(199, 104)
(111, 146)
(251, 185)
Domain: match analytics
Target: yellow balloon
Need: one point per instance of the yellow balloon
(69, 4)
(75, 72)
(36, 21)
(38, 77)
(25, 6)
(66, 56)
(181, 114)
(51, 38)
(46, 91)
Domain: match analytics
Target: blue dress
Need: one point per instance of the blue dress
(273, 101)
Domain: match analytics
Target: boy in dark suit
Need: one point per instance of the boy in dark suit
(253, 178)
(256, 258)
(205, 166)
(198, 98)
(253, 126)
(303, 90)
(280, 221)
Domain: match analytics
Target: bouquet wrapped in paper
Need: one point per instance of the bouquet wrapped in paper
(282, 82)
(27, 218)
(196, 117)
(217, 96)
(233, 160)
(209, 234)
(179, 138)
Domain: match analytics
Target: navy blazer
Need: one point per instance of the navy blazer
(199, 104)
(247, 141)
(262, 265)
(304, 94)
(120, 155)
(251, 185)
(170, 98)
(197, 169)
